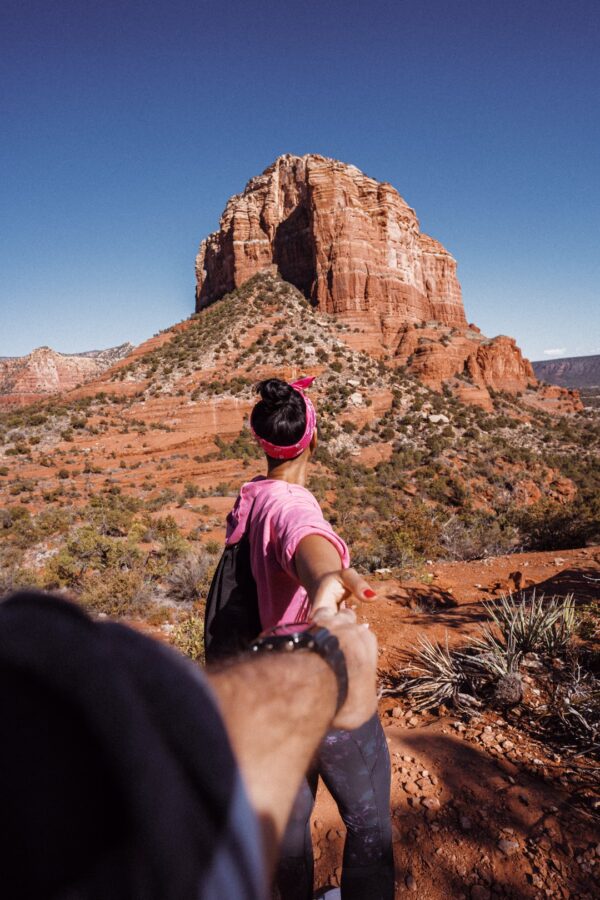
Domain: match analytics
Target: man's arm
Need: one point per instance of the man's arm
(277, 709)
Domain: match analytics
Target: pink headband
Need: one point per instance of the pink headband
(290, 452)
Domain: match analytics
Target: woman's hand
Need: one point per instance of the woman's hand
(327, 584)
(336, 588)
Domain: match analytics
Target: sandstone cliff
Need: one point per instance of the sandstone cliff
(24, 379)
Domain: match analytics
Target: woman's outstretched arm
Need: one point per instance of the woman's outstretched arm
(320, 572)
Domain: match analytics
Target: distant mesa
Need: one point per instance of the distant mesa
(43, 372)
(570, 371)
(354, 248)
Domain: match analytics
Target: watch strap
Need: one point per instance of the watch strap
(317, 639)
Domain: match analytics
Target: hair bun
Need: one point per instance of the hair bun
(275, 392)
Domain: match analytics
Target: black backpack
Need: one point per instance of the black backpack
(231, 619)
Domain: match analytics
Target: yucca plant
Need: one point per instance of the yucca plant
(493, 655)
(440, 676)
(534, 624)
(558, 636)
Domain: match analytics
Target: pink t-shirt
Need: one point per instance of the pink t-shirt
(282, 515)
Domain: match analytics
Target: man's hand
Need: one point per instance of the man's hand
(359, 646)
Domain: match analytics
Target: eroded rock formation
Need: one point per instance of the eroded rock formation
(42, 372)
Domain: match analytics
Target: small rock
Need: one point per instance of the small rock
(509, 848)
(465, 823)
(397, 712)
(414, 721)
(431, 803)
(411, 788)
(411, 884)
(507, 745)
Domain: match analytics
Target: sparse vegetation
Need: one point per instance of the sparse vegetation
(524, 634)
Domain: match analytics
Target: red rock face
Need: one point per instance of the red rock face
(349, 243)
(24, 379)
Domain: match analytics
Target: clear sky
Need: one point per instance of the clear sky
(127, 125)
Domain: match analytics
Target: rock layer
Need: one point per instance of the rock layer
(349, 243)
(24, 379)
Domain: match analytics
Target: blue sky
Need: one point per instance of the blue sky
(126, 127)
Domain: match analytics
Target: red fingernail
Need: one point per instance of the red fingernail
(369, 593)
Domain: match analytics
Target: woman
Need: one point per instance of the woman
(300, 565)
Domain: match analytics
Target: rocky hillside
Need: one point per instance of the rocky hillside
(355, 250)
(405, 472)
(24, 379)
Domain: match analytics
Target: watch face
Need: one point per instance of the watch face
(290, 628)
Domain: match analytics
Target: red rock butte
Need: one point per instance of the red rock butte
(351, 244)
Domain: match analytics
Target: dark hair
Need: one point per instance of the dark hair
(280, 415)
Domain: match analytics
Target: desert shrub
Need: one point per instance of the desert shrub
(113, 513)
(15, 578)
(188, 637)
(190, 490)
(476, 535)
(553, 526)
(166, 496)
(88, 549)
(190, 578)
(572, 711)
(116, 593)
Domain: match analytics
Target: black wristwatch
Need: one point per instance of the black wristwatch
(288, 638)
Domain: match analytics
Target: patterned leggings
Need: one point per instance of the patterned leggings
(355, 766)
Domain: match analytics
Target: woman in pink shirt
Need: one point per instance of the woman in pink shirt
(300, 565)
